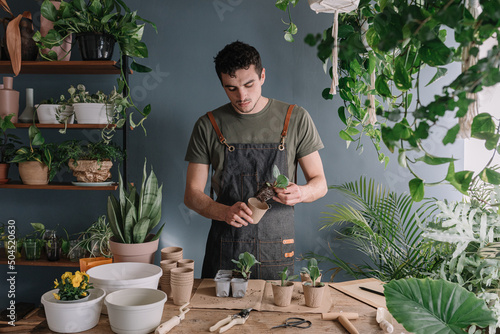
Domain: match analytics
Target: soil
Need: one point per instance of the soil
(265, 193)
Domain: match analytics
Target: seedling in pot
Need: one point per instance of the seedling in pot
(285, 278)
(266, 192)
(313, 271)
(244, 263)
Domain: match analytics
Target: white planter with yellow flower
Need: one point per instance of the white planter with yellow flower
(70, 307)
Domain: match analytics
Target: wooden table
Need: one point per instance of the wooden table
(200, 320)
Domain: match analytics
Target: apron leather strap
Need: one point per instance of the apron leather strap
(285, 127)
(219, 133)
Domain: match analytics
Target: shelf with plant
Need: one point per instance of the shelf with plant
(103, 17)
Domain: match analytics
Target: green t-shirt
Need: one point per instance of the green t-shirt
(263, 127)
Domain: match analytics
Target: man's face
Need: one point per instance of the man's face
(244, 90)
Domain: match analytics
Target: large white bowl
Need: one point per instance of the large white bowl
(124, 275)
(135, 311)
(73, 317)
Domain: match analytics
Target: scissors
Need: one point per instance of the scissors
(295, 322)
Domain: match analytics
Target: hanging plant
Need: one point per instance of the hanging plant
(383, 49)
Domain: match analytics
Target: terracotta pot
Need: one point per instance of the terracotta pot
(283, 294)
(314, 295)
(144, 252)
(64, 51)
(34, 173)
(91, 170)
(4, 173)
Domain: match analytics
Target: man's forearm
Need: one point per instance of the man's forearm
(314, 189)
(204, 205)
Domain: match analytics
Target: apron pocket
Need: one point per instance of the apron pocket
(276, 251)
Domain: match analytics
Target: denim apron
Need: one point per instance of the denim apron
(246, 168)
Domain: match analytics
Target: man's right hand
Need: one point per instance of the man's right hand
(238, 215)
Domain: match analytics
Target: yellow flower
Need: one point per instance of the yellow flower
(56, 296)
(56, 283)
(84, 286)
(67, 274)
(83, 294)
(76, 280)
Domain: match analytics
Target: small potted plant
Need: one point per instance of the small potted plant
(239, 282)
(313, 290)
(8, 143)
(132, 219)
(33, 243)
(283, 291)
(70, 299)
(39, 162)
(90, 162)
(95, 239)
(55, 111)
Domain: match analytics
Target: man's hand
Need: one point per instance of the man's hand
(291, 195)
(238, 215)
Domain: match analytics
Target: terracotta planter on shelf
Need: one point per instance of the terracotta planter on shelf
(64, 51)
(91, 170)
(34, 173)
(283, 294)
(4, 173)
(144, 252)
(314, 295)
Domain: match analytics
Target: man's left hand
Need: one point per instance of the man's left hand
(291, 195)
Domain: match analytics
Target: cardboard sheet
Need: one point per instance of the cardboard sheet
(352, 288)
(259, 296)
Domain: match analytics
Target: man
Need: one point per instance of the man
(242, 140)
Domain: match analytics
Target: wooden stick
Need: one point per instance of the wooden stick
(335, 315)
(348, 325)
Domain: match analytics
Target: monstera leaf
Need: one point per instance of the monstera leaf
(425, 306)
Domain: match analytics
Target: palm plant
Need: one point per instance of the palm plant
(385, 227)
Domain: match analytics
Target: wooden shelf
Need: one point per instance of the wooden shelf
(42, 262)
(63, 67)
(54, 186)
(61, 126)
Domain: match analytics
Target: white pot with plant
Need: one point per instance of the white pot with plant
(132, 219)
(314, 290)
(52, 111)
(72, 307)
(239, 282)
(282, 292)
(90, 108)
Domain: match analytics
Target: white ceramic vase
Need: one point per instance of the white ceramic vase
(93, 113)
(73, 317)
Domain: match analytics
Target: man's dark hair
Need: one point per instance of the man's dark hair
(237, 56)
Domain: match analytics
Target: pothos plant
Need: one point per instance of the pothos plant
(112, 17)
(384, 47)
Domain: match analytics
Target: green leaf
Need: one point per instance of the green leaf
(276, 172)
(460, 180)
(282, 4)
(382, 87)
(490, 176)
(139, 68)
(341, 113)
(425, 306)
(434, 161)
(451, 135)
(288, 37)
(435, 53)
(326, 94)
(49, 11)
(482, 126)
(440, 72)
(345, 136)
(417, 189)
(281, 181)
(140, 231)
(402, 78)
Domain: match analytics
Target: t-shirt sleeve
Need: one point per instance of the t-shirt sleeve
(197, 150)
(308, 139)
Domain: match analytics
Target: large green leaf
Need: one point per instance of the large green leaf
(426, 306)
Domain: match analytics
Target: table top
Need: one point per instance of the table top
(200, 320)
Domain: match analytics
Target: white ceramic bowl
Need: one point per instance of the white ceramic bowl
(73, 317)
(135, 311)
(124, 275)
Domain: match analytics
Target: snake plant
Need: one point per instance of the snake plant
(135, 215)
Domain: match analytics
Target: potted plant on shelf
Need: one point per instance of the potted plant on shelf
(239, 282)
(95, 239)
(70, 299)
(37, 163)
(102, 22)
(133, 217)
(55, 111)
(90, 162)
(7, 146)
(283, 291)
(314, 290)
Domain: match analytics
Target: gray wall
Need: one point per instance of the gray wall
(182, 87)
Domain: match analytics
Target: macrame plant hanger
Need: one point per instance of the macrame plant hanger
(469, 60)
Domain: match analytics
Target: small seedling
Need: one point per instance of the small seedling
(244, 263)
(283, 275)
(266, 192)
(313, 271)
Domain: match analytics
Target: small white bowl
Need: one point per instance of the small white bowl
(124, 275)
(135, 311)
